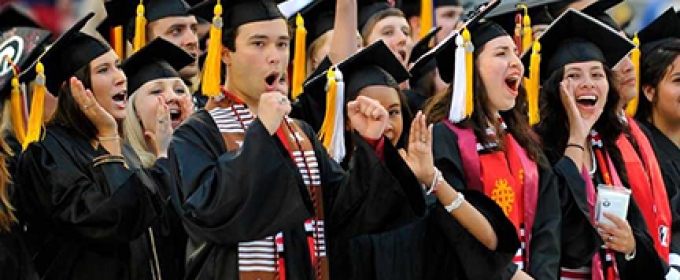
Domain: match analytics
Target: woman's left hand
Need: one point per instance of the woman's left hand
(368, 117)
(618, 237)
(419, 157)
(159, 133)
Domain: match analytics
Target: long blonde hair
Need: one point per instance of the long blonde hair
(7, 217)
(134, 133)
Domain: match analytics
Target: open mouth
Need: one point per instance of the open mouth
(512, 82)
(402, 54)
(272, 79)
(175, 114)
(120, 98)
(586, 100)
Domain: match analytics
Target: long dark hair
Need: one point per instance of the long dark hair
(516, 119)
(554, 126)
(655, 64)
(69, 114)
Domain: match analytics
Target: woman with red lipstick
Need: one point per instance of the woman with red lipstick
(579, 97)
(493, 150)
(83, 196)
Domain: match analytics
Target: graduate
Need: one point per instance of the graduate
(253, 180)
(637, 151)
(482, 143)
(579, 96)
(83, 195)
(171, 20)
(660, 48)
(425, 81)
(158, 93)
(455, 238)
(378, 20)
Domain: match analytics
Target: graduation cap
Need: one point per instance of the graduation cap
(374, 65)
(12, 16)
(292, 7)
(577, 37)
(664, 27)
(319, 18)
(157, 60)
(368, 8)
(117, 27)
(599, 9)
(72, 51)
(228, 16)
(517, 18)
(420, 49)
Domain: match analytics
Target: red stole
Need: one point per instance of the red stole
(647, 185)
(509, 177)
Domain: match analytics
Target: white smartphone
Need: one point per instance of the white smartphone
(613, 200)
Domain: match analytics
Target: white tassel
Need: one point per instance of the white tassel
(337, 149)
(457, 109)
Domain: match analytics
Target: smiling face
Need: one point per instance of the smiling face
(590, 85)
(109, 84)
(396, 33)
(502, 73)
(183, 32)
(389, 99)
(260, 58)
(174, 92)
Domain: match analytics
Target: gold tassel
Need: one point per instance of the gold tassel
(35, 119)
(632, 106)
(212, 71)
(299, 62)
(533, 84)
(326, 132)
(117, 41)
(426, 17)
(469, 74)
(140, 28)
(16, 96)
(527, 33)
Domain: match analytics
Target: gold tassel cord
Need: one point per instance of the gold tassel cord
(35, 118)
(16, 99)
(118, 42)
(631, 108)
(533, 84)
(426, 17)
(469, 74)
(212, 71)
(527, 33)
(140, 28)
(326, 132)
(299, 61)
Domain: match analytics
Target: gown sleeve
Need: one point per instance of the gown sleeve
(242, 195)
(472, 253)
(544, 257)
(108, 203)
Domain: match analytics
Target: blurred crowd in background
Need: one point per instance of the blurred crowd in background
(57, 15)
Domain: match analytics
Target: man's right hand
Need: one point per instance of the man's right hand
(271, 110)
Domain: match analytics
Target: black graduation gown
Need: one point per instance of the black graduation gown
(15, 261)
(229, 197)
(668, 155)
(545, 241)
(580, 238)
(80, 218)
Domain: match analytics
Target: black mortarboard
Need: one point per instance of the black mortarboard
(11, 16)
(118, 13)
(158, 59)
(368, 8)
(319, 18)
(125, 12)
(419, 49)
(69, 53)
(664, 27)
(374, 65)
(599, 9)
(577, 37)
(23, 45)
(506, 13)
(481, 32)
(239, 12)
